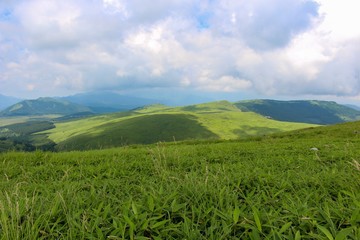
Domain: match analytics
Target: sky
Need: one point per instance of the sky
(235, 49)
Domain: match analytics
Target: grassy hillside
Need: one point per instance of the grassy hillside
(316, 112)
(218, 120)
(19, 136)
(274, 187)
(140, 130)
(43, 106)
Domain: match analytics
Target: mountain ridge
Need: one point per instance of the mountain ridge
(6, 101)
(215, 120)
(43, 106)
(307, 111)
(107, 101)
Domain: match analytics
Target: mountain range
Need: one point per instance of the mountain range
(43, 106)
(105, 101)
(84, 105)
(316, 112)
(77, 127)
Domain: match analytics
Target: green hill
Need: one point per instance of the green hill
(316, 112)
(150, 124)
(6, 101)
(140, 130)
(298, 185)
(43, 106)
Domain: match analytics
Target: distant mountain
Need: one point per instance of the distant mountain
(43, 106)
(102, 102)
(316, 112)
(6, 101)
(353, 106)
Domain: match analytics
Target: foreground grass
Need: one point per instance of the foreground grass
(262, 188)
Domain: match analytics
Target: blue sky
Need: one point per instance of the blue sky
(282, 49)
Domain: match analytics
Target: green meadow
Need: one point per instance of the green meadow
(217, 120)
(264, 187)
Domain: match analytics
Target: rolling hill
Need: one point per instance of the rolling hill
(315, 112)
(154, 123)
(43, 106)
(6, 101)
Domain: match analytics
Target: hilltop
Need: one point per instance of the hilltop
(154, 123)
(78, 128)
(43, 106)
(315, 112)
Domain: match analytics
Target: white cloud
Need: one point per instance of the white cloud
(115, 6)
(272, 47)
(227, 84)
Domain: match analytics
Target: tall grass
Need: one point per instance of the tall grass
(263, 188)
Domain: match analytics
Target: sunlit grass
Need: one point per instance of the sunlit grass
(222, 119)
(262, 188)
(20, 119)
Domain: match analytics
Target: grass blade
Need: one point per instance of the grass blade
(343, 233)
(257, 219)
(236, 214)
(326, 232)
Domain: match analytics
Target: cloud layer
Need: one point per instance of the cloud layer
(271, 47)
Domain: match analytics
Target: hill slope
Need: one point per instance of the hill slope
(6, 101)
(272, 187)
(316, 112)
(43, 106)
(218, 120)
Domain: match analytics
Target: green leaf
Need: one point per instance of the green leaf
(255, 235)
(343, 233)
(285, 227)
(355, 217)
(257, 218)
(298, 235)
(326, 232)
(175, 206)
(145, 224)
(151, 204)
(159, 224)
(128, 221)
(236, 214)
(134, 208)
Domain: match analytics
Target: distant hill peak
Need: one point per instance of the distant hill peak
(43, 106)
(151, 107)
(108, 101)
(307, 111)
(212, 106)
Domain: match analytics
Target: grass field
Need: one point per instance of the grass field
(21, 119)
(218, 120)
(274, 187)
